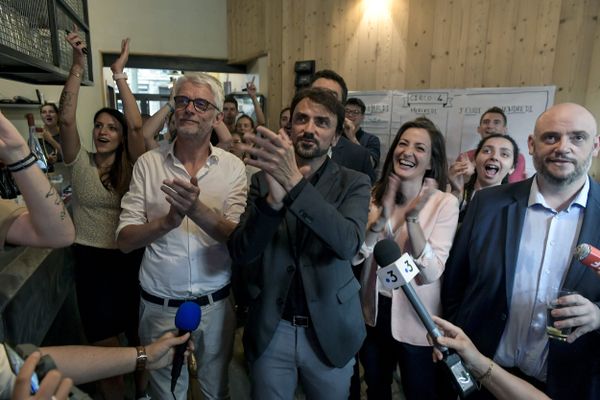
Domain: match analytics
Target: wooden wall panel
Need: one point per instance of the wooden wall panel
(546, 36)
(350, 17)
(425, 44)
(502, 20)
(578, 21)
(420, 44)
(476, 43)
(396, 70)
(246, 30)
(274, 23)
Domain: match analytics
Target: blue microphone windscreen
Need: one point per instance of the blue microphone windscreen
(188, 316)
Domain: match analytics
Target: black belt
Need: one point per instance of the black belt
(201, 301)
(297, 320)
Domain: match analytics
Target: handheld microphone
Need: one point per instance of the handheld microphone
(187, 320)
(588, 255)
(397, 270)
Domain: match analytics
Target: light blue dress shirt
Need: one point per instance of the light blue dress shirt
(545, 251)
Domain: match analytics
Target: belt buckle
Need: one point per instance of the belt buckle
(300, 320)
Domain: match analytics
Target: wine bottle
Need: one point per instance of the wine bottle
(34, 144)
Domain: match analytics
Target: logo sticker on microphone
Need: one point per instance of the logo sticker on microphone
(399, 273)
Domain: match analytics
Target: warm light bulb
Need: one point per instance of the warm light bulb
(376, 8)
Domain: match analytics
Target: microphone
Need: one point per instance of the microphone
(397, 270)
(187, 320)
(588, 255)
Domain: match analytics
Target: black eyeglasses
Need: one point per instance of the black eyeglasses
(350, 111)
(201, 105)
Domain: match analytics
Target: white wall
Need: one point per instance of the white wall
(193, 28)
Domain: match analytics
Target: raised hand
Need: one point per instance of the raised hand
(350, 130)
(416, 205)
(12, 145)
(460, 171)
(79, 47)
(251, 88)
(275, 155)
(388, 202)
(119, 65)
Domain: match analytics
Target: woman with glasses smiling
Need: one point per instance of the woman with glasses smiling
(106, 279)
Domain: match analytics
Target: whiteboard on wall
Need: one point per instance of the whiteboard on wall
(456, 112)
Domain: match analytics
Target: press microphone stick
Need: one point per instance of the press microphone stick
(397, 270)
(424, 316)
(187, 320)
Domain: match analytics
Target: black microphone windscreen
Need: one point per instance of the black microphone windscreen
(386, 252)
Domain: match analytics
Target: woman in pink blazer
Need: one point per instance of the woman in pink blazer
(406, 206)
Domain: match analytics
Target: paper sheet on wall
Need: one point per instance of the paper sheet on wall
(456, 112)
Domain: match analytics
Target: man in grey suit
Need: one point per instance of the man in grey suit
(305, 219)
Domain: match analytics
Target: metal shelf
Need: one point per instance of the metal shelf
(33, 46)
(20, 105)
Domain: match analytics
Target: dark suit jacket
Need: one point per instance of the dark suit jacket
(479, 276)
(353, 156)
(371, 143)
(334, 213)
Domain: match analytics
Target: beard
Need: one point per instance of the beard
(580, 170)
(308, 148)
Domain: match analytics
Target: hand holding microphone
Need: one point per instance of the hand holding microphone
(187, 320)
(589, 256)
(397, 270)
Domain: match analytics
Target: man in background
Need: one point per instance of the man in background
(355, 114)
(344, 152)
(492, 121)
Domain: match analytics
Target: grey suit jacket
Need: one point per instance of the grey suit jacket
(479, 276)
(334, 214)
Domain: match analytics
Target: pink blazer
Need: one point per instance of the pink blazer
(438, 220)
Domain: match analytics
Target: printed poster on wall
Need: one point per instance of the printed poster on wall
(456, 112)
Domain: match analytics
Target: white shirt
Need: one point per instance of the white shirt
(545, 253)
(186, 262)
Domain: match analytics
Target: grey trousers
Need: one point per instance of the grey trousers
(213, 342)
(293, 354)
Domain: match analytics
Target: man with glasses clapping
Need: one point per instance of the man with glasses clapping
(184, 201)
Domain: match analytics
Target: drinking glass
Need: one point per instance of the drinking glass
(551, 330)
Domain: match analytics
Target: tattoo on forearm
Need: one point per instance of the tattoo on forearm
(53, 193)
(66, 99)
(57, 201)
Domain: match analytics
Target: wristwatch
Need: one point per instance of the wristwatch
(141, 359)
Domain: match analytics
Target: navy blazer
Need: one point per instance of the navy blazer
(334, 213)
(479, 275)
(353, 156)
